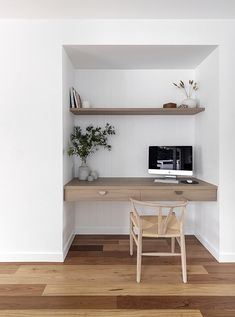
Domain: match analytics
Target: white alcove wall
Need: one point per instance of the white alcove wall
(131, 88)
(134, 134)
(129, 156)
(207, 150)
(68, 76)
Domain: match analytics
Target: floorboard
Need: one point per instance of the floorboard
(21, 289)
(102, 313)
(98, 279)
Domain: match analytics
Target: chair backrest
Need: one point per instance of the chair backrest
(164, 210)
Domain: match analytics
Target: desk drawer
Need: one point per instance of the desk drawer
(100, 194)
(174, 194)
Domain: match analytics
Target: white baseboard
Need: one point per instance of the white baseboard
(110, 230)
(227, 257)
(101, 230)
(223, 257)
(37, 256)
(189, 231)
(31, 257)
(209, 247)
(67, 245)
(60, 256)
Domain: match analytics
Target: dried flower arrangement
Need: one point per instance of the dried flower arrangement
(193, 86)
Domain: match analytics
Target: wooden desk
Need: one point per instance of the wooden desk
(144, 188)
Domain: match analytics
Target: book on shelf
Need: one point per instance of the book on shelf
(71, 98)
(75, 99)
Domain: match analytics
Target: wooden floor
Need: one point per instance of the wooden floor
(97, 279)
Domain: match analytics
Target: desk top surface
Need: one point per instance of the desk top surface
(135, 183)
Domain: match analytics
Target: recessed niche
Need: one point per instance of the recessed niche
(137, 56)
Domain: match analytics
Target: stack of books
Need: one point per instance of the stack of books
(75, 99)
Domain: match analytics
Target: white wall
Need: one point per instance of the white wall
(140, 88)
(227, 149)
(131, 88)
(134, 134)
(31, 121)
(31, 143)
(68, 75)
(207, 149)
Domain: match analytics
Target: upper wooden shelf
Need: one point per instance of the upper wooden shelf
(136, 111)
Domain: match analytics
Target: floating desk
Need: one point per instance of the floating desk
(144, 188)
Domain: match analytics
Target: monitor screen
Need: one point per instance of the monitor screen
(175, 160)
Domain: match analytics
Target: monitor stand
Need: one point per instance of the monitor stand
(166, 176)
(170, 179)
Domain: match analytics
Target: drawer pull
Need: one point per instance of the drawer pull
(178, 192)
(102, 192)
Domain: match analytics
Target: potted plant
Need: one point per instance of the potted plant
(85, 143)
(188, 92)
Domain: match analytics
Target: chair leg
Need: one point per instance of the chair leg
(183, 258)
(139, 257)
(131, 238)
(173, 245)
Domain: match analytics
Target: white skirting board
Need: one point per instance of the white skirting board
(209, 247)
(38, 256)
(223, 257)
(102, 230)
(32, 257)
(111, 230)
(60, 256)
(227, 257)
(67, 245)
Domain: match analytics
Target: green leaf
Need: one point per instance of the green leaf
(85, 143)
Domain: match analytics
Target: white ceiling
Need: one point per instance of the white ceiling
(137, 56)
(118, 9)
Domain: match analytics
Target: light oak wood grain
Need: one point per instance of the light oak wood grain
(101, 313)
(82, 274)
(149, 288)
(8, 269)
(134, 183)
(98, 270)
(144, 188)
(59, 302)
(112, 272)
(21, 289)
(101, 194)
(172, 194)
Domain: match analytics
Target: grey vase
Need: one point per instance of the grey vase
(83, 172)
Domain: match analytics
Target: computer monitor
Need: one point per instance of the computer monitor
(171, 160)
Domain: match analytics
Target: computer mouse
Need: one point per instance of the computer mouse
(189, 181)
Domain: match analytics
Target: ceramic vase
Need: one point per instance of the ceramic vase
(190, 102)
(83, 171)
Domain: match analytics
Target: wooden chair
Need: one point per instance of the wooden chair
(165, 224)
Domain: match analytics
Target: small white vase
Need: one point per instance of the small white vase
(94, 174)
(86, 104)
(83, 172)
(190, 102)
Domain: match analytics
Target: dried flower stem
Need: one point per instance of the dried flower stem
(192, 87)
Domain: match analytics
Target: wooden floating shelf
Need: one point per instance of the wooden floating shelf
(136, 111)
